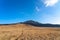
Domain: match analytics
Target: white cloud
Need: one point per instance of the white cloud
(37, 9)
(50, 2)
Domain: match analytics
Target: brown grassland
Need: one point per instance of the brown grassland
(28, 32)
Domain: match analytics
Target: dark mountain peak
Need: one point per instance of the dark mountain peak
(31, 22)
(35, 23)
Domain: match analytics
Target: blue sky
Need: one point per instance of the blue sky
(44, 11)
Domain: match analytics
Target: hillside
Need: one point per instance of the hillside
(37, 24)
(28, 32)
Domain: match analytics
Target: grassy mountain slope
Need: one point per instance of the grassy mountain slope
(28, 32)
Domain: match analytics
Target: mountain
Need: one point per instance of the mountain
(31, 22)
(29, 30)
(34, 23)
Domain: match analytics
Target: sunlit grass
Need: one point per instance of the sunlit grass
(24, 32)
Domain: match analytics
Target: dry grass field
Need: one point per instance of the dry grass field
(28, 32)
